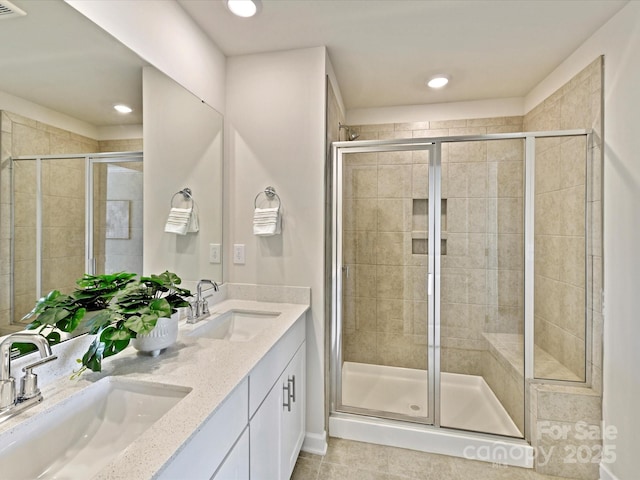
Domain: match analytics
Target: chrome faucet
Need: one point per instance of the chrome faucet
(12, 401)
(199, 309)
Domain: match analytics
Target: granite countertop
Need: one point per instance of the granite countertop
(211, 368)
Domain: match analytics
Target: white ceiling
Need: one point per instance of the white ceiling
(57, 58)
(383, 51)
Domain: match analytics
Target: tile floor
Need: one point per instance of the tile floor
(349, 460)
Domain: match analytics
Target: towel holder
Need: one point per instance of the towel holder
(186, 193)
(270, 193)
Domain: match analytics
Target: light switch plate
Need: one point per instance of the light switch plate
(238, 254)
(214, 253)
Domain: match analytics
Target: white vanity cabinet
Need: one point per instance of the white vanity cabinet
(236, 465)
(203, 454)
(294, 414)
(258, 430)
(276, 430)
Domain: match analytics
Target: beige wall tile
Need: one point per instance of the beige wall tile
(365, 213)
(392, 216)
(364, 181)
(412, 126)
(467, 152)
(390, 316)
(390, 282)
(29, 141)
(431, 133)
(390, 248)
(366, 314)
(360, 347)
(395, 158)
(505, 150)
(394, 181)
(365, 281)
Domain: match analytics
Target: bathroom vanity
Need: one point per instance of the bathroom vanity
(264, 415)
(241, 412)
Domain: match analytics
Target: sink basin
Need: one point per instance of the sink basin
(236, 325)
(80, 435)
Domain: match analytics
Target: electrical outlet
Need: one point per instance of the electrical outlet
(214, 253)
(238, 254)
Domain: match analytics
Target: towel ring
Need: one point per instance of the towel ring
(186, 193)
(270, 193)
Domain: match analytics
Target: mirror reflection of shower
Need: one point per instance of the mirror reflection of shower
(352, 134)
(72, 214)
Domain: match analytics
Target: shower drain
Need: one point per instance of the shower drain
(414, 407)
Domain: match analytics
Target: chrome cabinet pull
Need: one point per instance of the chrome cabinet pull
(292, 383)
(287, 395)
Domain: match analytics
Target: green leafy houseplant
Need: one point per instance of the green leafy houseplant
(58, 312)
(131, 310)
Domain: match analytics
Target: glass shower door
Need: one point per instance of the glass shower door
(54, 241)
(482, 286)
(116, 193)
(383, 263)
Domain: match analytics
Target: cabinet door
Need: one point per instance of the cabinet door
(294, 413)
(264, 437)
(236, 465)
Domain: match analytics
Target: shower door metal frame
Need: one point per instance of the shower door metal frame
(338, 149)
(434, 144)
(89, 159)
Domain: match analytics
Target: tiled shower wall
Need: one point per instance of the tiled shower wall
(384, 222)
(560, 320)
(63, 195)
(560, 284)
(63, 189)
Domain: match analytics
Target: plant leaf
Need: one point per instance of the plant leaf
(100, 321)
(142, 324)
(52, 316)
(92, 359)
(116, 334)
(160, 307)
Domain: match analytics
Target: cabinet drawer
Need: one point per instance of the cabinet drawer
(236, 465)
(203, 453)
(265, 374)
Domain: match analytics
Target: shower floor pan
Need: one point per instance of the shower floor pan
(467, 402)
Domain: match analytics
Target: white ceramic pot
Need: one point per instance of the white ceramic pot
(162, 336)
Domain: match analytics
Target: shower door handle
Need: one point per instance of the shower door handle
(429, 284)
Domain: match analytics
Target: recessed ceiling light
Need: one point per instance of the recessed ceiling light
(243, 8)
(123, 108)
(438, 81)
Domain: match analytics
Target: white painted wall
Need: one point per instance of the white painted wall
(275, 135)
(619, 41)
(165, 36)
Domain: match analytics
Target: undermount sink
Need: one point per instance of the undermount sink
(236, 325)
(82, 434)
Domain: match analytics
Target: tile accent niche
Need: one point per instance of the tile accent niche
(420, 227)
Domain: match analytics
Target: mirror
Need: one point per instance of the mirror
(60, 77)
(186, 152)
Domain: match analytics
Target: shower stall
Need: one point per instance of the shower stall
(459, 273)
(72, 214)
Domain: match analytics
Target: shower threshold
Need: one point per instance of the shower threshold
(467, 402)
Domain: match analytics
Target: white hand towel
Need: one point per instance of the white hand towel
(178, 221)
(194, 224)
(266, 222)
